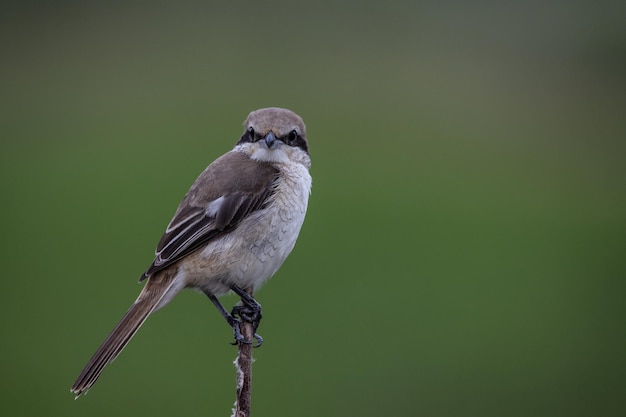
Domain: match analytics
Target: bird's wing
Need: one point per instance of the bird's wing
(230, 189)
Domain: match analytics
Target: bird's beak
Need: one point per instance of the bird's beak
(270, 139)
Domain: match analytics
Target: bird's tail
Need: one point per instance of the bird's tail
(148, 300)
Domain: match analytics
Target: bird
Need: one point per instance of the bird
(231, 232)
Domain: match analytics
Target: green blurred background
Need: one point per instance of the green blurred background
(464, 252)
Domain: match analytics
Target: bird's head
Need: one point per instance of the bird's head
(275, 135)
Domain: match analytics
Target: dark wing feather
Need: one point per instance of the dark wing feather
(230, 189)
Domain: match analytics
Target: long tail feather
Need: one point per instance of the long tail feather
(115, 342)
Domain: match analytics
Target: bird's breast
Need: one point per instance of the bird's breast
(249, 255)
(271, 233)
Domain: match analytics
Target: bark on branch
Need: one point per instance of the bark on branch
(243, 364)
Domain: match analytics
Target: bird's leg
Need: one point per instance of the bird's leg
(232, 321)
(248, 310)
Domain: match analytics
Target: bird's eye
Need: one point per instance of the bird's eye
(247, 136)
(293, 135)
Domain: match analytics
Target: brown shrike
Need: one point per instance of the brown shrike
(233, 230)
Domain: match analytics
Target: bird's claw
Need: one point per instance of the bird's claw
(251, 314)
(239, 338)
(248, 313)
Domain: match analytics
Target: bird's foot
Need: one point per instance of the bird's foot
(250, 313)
